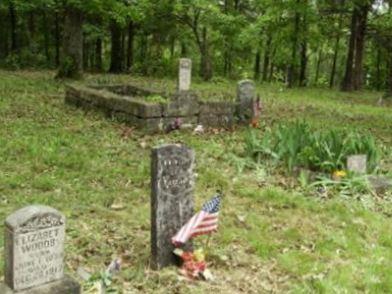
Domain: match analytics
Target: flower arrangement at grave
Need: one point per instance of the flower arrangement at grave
(194, 265)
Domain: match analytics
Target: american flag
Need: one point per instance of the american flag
(203, 222)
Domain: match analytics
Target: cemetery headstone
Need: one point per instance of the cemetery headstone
(172, 184)
(246, 95)
(381, 184)
(34, 253)
(357, 163)
(185, 74)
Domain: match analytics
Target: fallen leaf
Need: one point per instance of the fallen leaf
(117, 206)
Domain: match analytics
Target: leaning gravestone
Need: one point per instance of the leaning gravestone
(357, 163)
(246, 95)
(172, 184)
(185, 74)
(34, 253)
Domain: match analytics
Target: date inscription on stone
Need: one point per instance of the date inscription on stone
(39, 257)
(34, 248)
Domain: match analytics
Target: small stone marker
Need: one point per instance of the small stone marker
(185, 74)
(246, 94)
(357, 163)
(34, 253)
(172, 184)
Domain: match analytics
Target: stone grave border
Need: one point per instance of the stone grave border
(119, 101)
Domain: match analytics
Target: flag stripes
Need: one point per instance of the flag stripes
(204, 222)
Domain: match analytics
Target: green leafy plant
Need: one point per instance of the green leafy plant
(296, 145)
(351, 186)
(156, 99)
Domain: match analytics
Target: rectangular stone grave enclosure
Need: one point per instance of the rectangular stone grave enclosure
(131, 104)
(34, 253)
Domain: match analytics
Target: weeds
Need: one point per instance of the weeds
(298, 146)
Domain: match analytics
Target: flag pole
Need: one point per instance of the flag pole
(207, 244)
(208, 240)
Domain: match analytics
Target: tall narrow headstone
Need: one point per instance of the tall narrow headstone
(185, 74)
(172, 184)
(34, 253)
(246, 95)
(357, 163)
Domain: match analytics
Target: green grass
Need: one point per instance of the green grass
(273, 237)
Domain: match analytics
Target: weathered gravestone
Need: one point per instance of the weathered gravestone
(34, 253)
(357, 163)
(172, 184)
(246, 95)
(381, 184)
(185, 74)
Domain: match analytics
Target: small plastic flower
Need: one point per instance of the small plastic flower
(339, 174)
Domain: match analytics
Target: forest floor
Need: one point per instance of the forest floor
(274, 236)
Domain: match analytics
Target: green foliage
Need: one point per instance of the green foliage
(240, 39)
(296, 145)
(155, 99)
(68, 68)
(352, 185)
(12, 62)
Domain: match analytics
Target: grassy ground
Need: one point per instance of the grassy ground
(274, 237)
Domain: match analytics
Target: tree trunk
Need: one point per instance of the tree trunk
(184, 51)
(86, 54)
(227, 61)
(292, 70)
(13, 23)
(123, 50)
(91, 55)
(304, 50)
(46, 37)
(206, 63)
(354, 68)
(267, 58)
(115, 60)
(98, 54)
(319, 59)
(348, 83)
(389, 90)
(3, 34)
(131, 41)
(72, 56)
(360, 45)
(304, 62)
(257, 65)
(378, 70)
(336, 53)
(271, 72)
(57, 38)
(32, 27)
(143, 52)
(172, 47)
(335, 59)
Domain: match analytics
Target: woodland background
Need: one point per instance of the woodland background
(331, 43)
